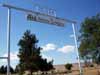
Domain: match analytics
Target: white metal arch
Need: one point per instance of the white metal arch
(30, 11)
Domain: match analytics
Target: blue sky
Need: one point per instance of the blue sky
(57, 42)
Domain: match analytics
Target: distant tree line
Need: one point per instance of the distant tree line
(3, 70)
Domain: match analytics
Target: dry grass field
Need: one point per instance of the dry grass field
(86, 71)
(75, 69)
(91, 71)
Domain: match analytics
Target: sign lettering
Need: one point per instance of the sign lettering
(46, 19)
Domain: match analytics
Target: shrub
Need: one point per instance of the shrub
(68, 66)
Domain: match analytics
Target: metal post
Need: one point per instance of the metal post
(8, 40)
(76, 47)
(3, 57)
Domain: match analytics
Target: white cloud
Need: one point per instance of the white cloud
(71, 36)
(66, 49)
(49, 47)
(13, 56)
(47, 57)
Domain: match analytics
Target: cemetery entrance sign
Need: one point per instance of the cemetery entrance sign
(38, 17)
(46, 19)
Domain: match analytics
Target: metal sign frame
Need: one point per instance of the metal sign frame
(30, 11)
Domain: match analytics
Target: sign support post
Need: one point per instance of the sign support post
(76, 47)
(8, 39)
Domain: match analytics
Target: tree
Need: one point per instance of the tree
(17, 69)
(11, 69)
(29, 54)
(3, 69)
(46, 66)
(68, 66)
(89, 38)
